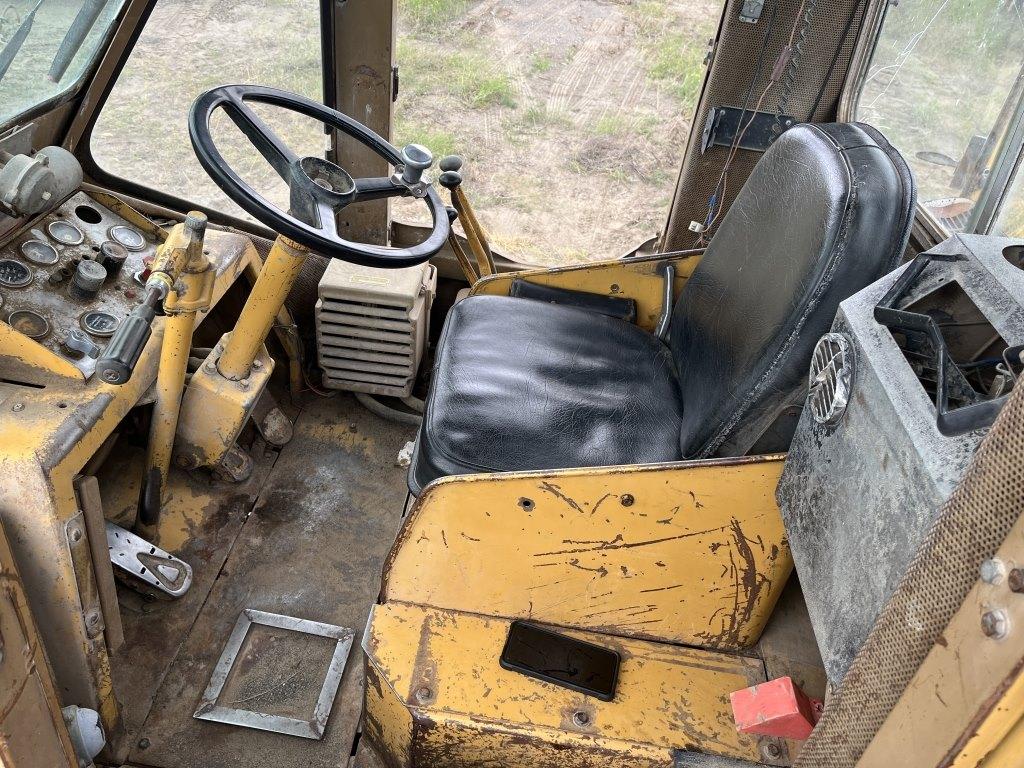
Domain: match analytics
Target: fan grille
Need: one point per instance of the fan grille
(830, 376)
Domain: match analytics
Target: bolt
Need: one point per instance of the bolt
(1015, 580)
(76, 534)
(991, 571)
(92, 619)
(581, 719)
(143, 743)
(210, 367)
(256, 365)
(772, 751)
(995, 624)
(423, 694)
(110, 376)
(626, 499)
(243, 384)
(18, 407)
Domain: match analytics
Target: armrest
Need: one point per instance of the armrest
(636, 278)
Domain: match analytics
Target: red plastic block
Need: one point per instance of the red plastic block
(776, 708)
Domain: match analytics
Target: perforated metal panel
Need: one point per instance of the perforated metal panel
(829, 379)
(372, 326)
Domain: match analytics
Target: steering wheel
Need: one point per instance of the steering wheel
(318, 189)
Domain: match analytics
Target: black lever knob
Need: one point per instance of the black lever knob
(450, 179)
(450, 163)
(122, 353)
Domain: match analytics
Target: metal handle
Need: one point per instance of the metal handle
(117, 363)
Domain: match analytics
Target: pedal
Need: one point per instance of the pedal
(145, 567)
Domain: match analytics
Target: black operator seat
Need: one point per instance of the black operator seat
(528, 385)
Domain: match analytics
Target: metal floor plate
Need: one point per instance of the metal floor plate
(280, 672)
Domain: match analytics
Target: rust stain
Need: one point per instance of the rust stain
(556, 491)
(618, 543)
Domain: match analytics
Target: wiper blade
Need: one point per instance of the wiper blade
(14, 44)
(75, 37)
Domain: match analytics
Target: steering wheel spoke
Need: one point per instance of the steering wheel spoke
(328, 216)
(267, 143)
(378, 188)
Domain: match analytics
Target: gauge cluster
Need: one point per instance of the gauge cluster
(71, 278)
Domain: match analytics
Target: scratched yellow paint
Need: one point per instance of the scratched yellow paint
(691, 552)
(444, 666)
(637, 279)
(46, 437)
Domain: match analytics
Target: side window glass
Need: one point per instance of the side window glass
(944, 85)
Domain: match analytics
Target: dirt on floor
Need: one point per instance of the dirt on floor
(572, 117)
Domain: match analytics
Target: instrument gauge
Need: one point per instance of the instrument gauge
(100, 324)
(65, 232)
(30, 323)
(14, 274)
(127, 236)
(39, 253)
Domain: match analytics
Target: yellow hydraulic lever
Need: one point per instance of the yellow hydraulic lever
(183, 270)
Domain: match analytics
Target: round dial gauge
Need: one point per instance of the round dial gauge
(14, 274)
(129, 237)
(65, 232)
(100, 324)
(30, 323)
(39, 252)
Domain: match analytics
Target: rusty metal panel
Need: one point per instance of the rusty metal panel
(690, 552)
(437, 696)
(32, 731)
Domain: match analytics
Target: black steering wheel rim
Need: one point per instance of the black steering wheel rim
(323, 239)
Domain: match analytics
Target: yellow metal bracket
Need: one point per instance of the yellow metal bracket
(637, 278)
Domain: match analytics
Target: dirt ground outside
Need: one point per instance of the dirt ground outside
(572, 117)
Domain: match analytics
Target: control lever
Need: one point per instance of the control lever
(122, 353)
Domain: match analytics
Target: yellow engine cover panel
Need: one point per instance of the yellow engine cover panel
(437, 696)
(691, 553)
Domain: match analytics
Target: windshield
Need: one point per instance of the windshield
(45, 48)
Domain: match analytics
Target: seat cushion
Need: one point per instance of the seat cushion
(523, 385)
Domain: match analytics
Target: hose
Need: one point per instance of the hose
(391, 414)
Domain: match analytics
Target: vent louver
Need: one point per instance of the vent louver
(830, 378)
(372, 326)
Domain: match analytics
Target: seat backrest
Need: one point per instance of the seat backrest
(826, 211)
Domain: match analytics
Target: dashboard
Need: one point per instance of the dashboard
(70, 278)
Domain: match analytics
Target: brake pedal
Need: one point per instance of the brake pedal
(145, 567)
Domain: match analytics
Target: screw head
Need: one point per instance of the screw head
(423, 694)
(580, 719)
(76, 534)
(110, 376)
(18, 407)
(1015, 580)
(772, 751)
(243, 384)
(143, 743)
(991, 570)
(995, 624)
(256, 365)
(92, 619)
(626, 499)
